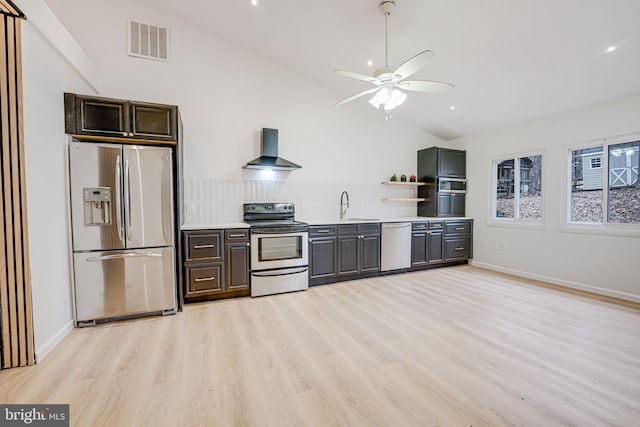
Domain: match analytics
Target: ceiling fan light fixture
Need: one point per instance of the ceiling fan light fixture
(383, 95)
(388, 79)
(373, 101)
(398, 96)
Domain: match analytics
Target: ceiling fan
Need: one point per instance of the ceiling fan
(388, 80)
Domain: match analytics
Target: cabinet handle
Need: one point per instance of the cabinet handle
(248, 244)
(130, 133)
(459, 228)
(124, 134)
(202, 246)
(429, 232)
(459, 249)
(236, 235)
(323, 231)
(204, 279)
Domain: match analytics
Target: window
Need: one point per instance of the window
(601, 197)
(518, 188)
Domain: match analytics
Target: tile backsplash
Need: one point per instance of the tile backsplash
(213, 201)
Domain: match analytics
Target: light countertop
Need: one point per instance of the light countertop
(214, 225)
(321, 221)
(365, 220)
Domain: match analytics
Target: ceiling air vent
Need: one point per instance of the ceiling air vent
(148, 41)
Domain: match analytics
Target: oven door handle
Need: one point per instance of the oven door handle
(280, 272)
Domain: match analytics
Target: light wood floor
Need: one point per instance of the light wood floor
(447, 347)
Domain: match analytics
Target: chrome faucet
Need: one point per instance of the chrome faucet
(344, 206)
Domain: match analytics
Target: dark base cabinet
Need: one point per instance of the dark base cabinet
(358, 250)
(323, 254)
(216, 264)
(343, 252)
(437, 243)
(458, 240)
(427, 243)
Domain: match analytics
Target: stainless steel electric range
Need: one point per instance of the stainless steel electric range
(279, 249)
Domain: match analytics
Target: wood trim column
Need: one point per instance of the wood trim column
(16, 325)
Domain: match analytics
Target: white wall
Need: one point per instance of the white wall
(46, 75)
(596, 262)
(226, 95)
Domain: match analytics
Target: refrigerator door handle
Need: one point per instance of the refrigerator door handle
(121, 256)
(119, 199)
(127, 196)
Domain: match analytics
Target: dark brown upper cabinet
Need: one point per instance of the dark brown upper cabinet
(452, 163)
(116, 118)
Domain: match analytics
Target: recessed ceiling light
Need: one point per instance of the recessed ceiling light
(453, 107)
(611, 48)
(369, 63)
(254, 2)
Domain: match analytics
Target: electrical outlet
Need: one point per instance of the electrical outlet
(190, 208)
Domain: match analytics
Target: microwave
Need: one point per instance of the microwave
(452, 185)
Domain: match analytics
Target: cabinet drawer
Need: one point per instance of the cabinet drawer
(204, 280)
(458, 227)
(356, 229)
(203, 245)
(323, 230)
(419, 226)
(436, 225)
(370, 228)
(348, 230)
(236, 235)
(457, 248)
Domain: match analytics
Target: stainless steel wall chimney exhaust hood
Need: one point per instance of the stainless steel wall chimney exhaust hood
(269, 158)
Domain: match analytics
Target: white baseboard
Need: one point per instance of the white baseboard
(42, 352)
(560, 282)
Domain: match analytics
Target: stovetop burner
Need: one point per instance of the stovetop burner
(274, 216)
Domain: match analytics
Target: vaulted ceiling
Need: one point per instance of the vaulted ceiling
(510, 61)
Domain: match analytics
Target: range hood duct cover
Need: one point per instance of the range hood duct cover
(269, 158)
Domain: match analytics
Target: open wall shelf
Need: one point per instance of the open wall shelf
(415, 185)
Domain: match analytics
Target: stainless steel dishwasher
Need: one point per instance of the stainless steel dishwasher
(396, 246)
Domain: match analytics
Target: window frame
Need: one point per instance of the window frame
(516, 221)
(604, 227)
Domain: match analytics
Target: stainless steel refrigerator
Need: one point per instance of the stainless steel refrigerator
(123, 230)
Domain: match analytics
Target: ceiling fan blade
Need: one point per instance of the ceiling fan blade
(359, 76)
(424, 86)
(413, 65)
(358, 95)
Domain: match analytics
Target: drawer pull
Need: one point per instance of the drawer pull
(323, 231)
(236, 235)
(204, 279)
(459, 249)
(459, 228)
(202, 246)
